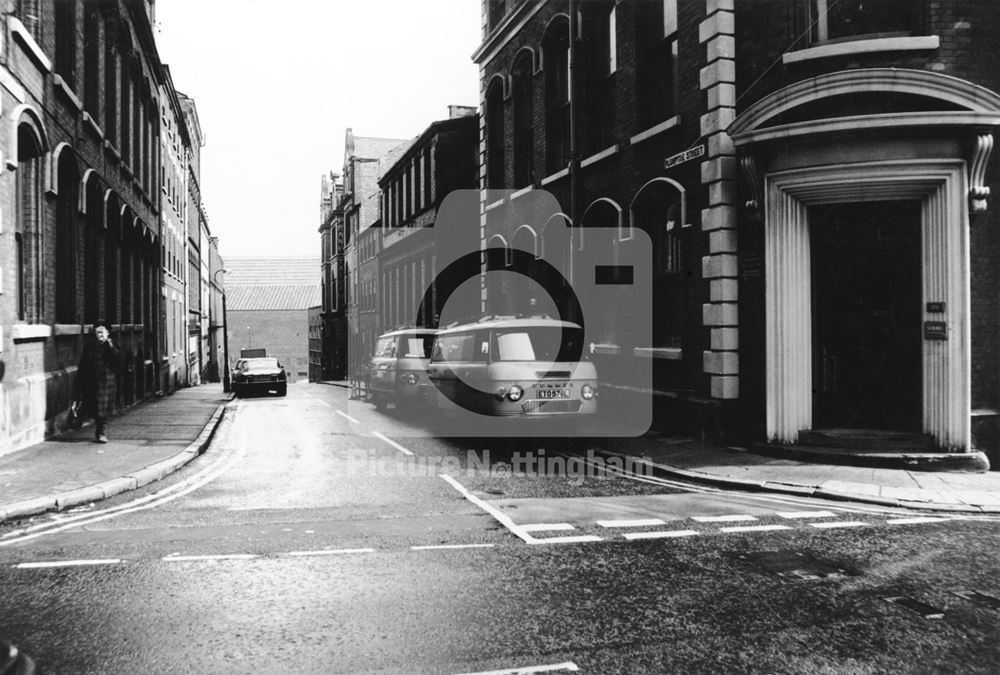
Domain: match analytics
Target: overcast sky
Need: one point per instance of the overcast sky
(278, 83)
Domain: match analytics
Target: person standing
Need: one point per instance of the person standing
(96, 379)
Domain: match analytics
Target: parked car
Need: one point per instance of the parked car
(512, 368)
(399, 366)
(259, 374)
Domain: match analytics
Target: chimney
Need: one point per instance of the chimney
(461, 111)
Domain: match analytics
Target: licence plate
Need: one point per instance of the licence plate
(553, 393)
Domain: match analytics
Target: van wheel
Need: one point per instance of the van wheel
(379, 402)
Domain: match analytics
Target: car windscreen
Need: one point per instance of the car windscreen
(454, 347)
(538, 343)
(415, 345)
(261, 364)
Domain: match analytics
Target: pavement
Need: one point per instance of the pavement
(156, 438)
(147, 442)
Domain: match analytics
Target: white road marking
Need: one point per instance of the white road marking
(546, 527)
(223, 556)
(390, 442)
(754, 528)
(721, 519)
(638, 522)
(67, 563)
(497, 514)
(526, 670)
(566, 540)
(660, 535)
(916, 520)
(323, 402)
(335, 551)
(347, 417)
(807, 514)
(842, 523)
(450, 546)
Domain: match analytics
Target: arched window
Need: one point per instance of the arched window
(656, 210)
(127, 253)
(67, 209)
(112, 259)
(495, 164)
(92, 251)
(524, 119)
(555, 62)
(26, 235)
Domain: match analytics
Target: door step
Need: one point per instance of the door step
(868, 440)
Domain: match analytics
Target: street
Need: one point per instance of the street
(317, 535)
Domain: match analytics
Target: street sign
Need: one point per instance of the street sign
(681, 157)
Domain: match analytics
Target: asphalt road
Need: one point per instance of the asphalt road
(318, 536)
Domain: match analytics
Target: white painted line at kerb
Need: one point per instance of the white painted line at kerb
(843, 523)
(225, 556)
(916, 520)
(437, 547)
(389, 441)
(754, 528)
(347, 417)
(807, 514)
(526, 670)
(638, 522)
(334, 551)
(721, 519)
(546, 527)
(66, 563)
(660, 535)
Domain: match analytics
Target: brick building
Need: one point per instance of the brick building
(79, 90)
(441, 159)
(267, 306)
(814, 181)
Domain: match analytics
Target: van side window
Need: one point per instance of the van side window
(481, 350)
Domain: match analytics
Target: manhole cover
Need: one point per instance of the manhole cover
(796, 565)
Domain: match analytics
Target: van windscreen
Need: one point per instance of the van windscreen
(416, 346)
(539, 343)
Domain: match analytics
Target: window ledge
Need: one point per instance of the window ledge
(495, 205)
(35, 52)
(67, 91)
(67, 329)
(22, 332)
(111, 149)
(603, 154)
(604, 348)
(556, 176)
(655, 129)
(92, 124)
(668, 353)
(520, 193)
(893, 44)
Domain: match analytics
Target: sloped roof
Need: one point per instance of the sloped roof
(268, 297)
(366, 147)
(272, 283)
(389, 159)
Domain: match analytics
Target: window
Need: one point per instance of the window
(612, 41)
(91, 53)
(495, 135)
(497, 10)
(91, 253)
(656, 62)
(66, 41)
(524, 119)
(66, 238)
(598, 89)
(110, 85)
(30, 13)
(26, 234)
(555, 60)
(839, 20)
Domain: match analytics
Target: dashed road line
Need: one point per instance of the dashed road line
(722, 519)
(546, 527)
(841, 523)
(66, 563)
(754, 528)
(807, 514)
(198, 558)
(637, 522)
(527, 670)
(331, 551)
(439, 547)
(916, 520)
(579, 539)
(391, 442)
(346, 416)
(668, 534)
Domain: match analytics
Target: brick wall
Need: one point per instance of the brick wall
(284, 333)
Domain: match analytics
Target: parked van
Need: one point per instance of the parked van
(526, 368)
(399, 366)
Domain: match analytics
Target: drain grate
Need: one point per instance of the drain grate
(916, 606)
(979, 598)
(795, 565)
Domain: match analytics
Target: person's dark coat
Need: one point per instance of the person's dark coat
(96, 379)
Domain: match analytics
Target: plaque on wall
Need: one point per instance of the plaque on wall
(935, 330)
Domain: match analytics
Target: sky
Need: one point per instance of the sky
(277, 84)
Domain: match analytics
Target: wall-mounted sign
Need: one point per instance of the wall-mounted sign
(935, 330)
(935, 308)
(681, 157)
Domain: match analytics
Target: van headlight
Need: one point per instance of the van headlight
(515, 393)
(588, 391)
(410, 378)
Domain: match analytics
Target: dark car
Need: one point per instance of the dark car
(261, 374)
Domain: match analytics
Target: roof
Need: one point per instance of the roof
(389, 159)
(509, 322)
(270, 297)
(409, 331)
(366, 147)
(286, 271)
(272, 283)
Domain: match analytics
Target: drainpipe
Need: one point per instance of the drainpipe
(574, 161)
